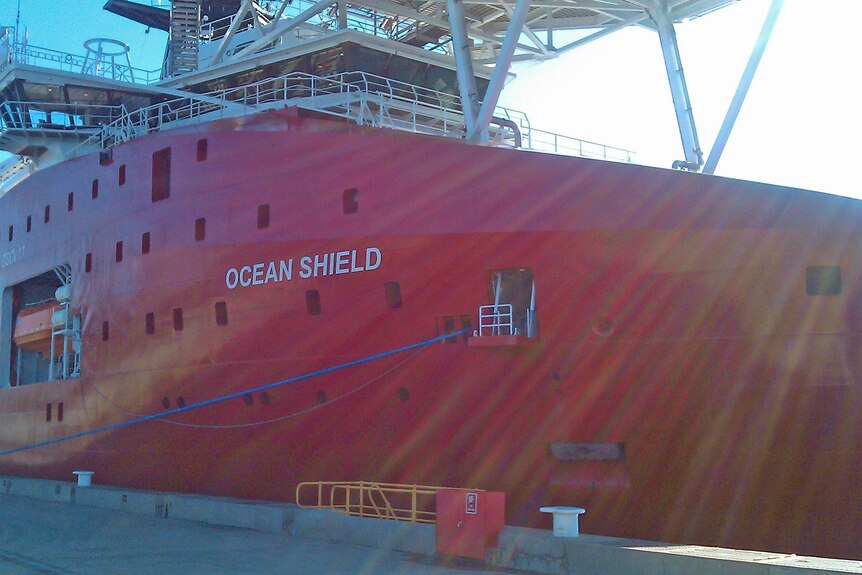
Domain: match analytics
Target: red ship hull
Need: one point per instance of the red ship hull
(678, 331)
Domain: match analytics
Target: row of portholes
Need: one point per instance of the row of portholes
(161, 191)
(70, 203)
(312, 303)
(401, 393)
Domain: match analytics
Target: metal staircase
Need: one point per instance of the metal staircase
(184, 37)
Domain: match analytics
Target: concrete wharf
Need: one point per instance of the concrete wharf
(59, 528)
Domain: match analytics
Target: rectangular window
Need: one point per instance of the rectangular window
(466, 324)
(350, 201)
(150, 323)
(29, 223)
(178, 319)
(60, 411)
(823, 280)
(202, 149)
(11, 230)
(48, 412)
(121, 175)
(263, 216)
(161, 174)
(449, 327)
(393, 294)
(312, 302)
(145, 243)
(106, 157)
(221, 313)
(200, 229)
(70, 202)
(88, 263)
(47, 214)
(118, 251)
(106, 334)
(94, 190)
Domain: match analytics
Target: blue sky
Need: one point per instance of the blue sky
(799, 127)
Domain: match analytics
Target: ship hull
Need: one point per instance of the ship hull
(687, 379)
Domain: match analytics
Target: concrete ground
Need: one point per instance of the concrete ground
(45, 537)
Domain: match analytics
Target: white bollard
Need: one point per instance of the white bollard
(565, 520)
(85, 478)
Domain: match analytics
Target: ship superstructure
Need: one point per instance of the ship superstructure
(310, 248)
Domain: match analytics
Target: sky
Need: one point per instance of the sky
(800, 125)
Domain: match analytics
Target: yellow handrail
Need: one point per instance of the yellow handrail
(414, 503)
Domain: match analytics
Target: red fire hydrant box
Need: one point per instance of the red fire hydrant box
(468, 522)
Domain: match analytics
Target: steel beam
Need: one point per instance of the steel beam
(225, 41)
(678, 89)
(742, 88)
(461, 45)
(283, 28)
(501, 69)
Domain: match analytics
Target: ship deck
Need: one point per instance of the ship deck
(56, 527)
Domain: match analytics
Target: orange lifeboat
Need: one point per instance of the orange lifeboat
(33, 328)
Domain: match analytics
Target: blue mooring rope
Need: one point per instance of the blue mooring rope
(237, 394)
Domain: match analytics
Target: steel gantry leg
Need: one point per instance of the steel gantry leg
(658, 12)
(501, 69)
(742, 88)
(464, 65)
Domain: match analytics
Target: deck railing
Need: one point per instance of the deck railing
(24, 53)
(413, 503)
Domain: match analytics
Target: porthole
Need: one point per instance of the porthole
(350, 201)
(200, 229)
(221, 313)
(603, 326)
(263, 216)
(312, 302)
(178, 319)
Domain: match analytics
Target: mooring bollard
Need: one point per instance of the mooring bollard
(565, 520)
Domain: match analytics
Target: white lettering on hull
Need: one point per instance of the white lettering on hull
(312, 266)
(12, 256)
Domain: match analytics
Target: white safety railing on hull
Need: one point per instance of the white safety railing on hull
(357, 96)
(360, 97)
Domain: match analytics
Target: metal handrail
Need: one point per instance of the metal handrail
(23, 53)
(496, 319)
(17, 114)
(378, 101)
(374, 499)
(374, 23)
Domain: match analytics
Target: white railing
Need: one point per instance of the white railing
(360, 97)
(364, 20)
(55, 116)
(23, 53)
(496, 320)
(542, 141)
